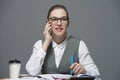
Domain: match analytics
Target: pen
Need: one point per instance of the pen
(37, 76)
(72, 61)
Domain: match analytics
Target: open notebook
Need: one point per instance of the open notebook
(58, 77)
(67, 77)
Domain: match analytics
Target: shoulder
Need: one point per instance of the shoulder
(82, 43)
(73, 38)
(83, 47)
(38, 43)
(76, 39)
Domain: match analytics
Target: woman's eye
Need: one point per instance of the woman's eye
(54, 19)
(64, 19)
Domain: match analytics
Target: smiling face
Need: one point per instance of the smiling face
(59, 21)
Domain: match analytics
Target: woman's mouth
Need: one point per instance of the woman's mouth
(59, 29)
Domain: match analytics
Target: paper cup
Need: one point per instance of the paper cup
(14, 68)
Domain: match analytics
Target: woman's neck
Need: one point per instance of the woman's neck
(59, 39)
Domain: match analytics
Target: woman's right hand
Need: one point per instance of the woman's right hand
(47, 36)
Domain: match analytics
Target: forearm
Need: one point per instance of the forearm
(86, 60)
(45, 45)
(32, 67)
(36, 60)
(91, 69)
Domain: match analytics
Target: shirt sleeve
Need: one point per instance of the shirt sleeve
(86, 60)
(36, 60)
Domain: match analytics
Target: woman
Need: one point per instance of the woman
(53, 54)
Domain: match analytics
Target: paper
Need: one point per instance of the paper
(55, 76)
(25, 78)
(50, 77)
(46, 76)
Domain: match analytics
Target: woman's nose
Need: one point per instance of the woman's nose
(59, 21)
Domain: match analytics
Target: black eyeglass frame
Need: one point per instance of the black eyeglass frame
(55, 19)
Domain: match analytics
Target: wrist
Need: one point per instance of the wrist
(45, 45)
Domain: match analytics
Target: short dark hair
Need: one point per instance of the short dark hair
(58, 6)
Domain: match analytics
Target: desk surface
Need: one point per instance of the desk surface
(44, 77)
(50, 77)
(21, 75)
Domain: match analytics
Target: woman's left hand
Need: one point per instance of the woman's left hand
(77, 68)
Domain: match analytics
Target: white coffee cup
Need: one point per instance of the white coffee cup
(14, 68)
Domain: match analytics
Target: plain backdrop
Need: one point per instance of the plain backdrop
(96, 22)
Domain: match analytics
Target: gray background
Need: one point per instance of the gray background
(97, 22)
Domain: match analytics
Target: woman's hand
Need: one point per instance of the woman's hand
(47, 32)
(77, 68)
(47, 36)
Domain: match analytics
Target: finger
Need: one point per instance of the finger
(73, 65)
(77, 71)
(47, 25)
(83, 70)
(80, 71)
(47, 28)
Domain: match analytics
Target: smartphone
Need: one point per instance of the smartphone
(50, 31)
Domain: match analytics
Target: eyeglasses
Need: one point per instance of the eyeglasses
(55, 19)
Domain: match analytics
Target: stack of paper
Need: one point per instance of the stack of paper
(55, 76)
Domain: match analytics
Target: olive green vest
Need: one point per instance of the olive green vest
(49, 66)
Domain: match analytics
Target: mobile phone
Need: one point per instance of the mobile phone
(50, 31)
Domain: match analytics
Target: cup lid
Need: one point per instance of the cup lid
(14, 61)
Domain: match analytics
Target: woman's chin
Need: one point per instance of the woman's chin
(59, 34)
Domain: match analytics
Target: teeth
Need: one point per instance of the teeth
(59, 29)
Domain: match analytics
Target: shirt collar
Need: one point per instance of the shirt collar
(61, 45)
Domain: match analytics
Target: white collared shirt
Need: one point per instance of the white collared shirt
(59, 51)
(34, 64)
